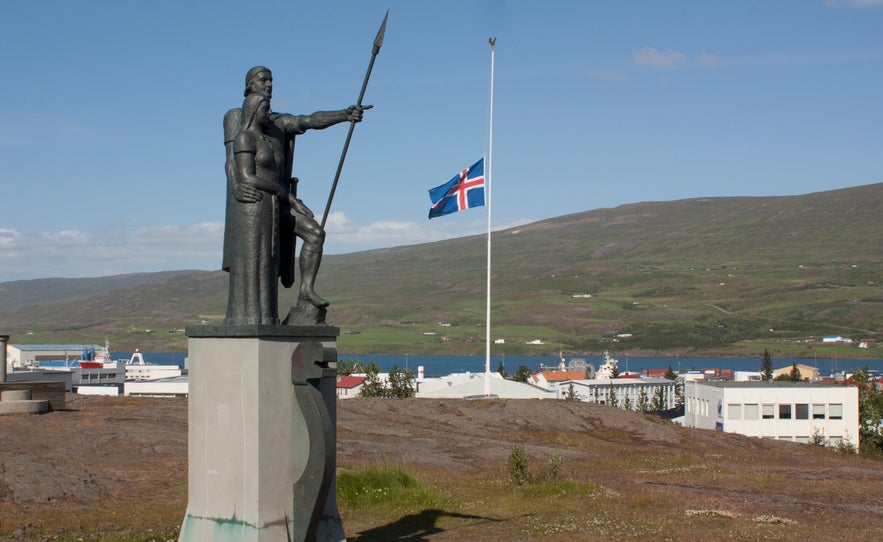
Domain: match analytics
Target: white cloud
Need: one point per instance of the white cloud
(856, 3)
(116, 250)
(648, 56)
(708, 60)
(8, 237)
(345, 235)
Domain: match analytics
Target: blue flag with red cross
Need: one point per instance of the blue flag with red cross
(464, 191)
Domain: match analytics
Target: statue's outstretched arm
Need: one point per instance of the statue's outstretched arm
(322, 119)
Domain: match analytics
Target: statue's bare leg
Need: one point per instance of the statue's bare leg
(313, 237)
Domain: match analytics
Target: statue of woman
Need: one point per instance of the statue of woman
(255, 212)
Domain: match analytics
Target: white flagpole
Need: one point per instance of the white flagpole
(487, 358)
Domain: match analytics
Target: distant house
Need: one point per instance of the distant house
(349, 386)
(549, 380)
(867, 343)
(793, 411)
(806, 372)
(836, 339)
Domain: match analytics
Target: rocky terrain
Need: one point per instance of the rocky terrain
(116, 469)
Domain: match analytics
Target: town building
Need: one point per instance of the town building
(806, 372)
(471, 385)
(631, 393)
(30, 355)
(550, 380)
(349, 386)
(782, 410)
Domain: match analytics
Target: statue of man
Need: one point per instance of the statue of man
(291, 218)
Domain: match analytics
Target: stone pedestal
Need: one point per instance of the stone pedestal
(254, 446)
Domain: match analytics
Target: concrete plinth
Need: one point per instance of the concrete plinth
(249, 443)
(20, 402)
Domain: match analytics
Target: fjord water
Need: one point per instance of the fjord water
(444, 365)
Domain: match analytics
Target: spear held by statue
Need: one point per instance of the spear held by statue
(378, 42)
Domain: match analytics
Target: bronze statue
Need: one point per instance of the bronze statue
(264, 216)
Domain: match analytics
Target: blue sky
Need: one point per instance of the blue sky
(111, 136)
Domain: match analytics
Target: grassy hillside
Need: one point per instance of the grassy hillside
(713, 275)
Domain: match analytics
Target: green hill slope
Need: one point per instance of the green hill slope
(711, 275)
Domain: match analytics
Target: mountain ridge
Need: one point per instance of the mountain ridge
(688, 276)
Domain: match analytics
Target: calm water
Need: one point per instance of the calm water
(443, 365)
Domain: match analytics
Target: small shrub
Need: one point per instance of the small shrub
(709, 514)
(767, 519)
(554, 467)
(518, 465)
(846, 447)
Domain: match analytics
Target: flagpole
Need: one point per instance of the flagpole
(490, 157)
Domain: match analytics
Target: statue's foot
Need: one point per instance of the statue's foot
(314, 298)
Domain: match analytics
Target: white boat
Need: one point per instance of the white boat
(138, 369)
(608, 368)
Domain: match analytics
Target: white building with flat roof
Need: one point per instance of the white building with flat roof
(795, 411)
(629, 393)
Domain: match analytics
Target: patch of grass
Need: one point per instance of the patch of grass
(561, 489)
(384, 487)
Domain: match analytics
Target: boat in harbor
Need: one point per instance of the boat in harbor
(138, 369)
(608, 369)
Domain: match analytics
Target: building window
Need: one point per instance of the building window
(835, 411)
(801, 411)
(818, 412)
(751, 412)
(769, 412)
(734, 411)
(785, 412)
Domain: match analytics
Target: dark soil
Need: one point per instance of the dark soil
(121, 452)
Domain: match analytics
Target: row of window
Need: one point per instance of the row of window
(785, 411)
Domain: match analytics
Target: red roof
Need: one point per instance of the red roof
(349, 381)
(561, 376)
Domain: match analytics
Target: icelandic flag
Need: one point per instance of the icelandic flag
(464, 191)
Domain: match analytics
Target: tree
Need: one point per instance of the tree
(795, 375)
(400, 383)
(346, 367)
(501, 369)
(372, 386)
(670, 374)
(571, 394)
(643, 400)
(870, 413)
(766, 366)
(658, 399)
(615, 372)
(522, 374)
(611, 396)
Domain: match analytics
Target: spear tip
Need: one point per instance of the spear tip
(378, 41)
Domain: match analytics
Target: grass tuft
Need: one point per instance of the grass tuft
(381, 487)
